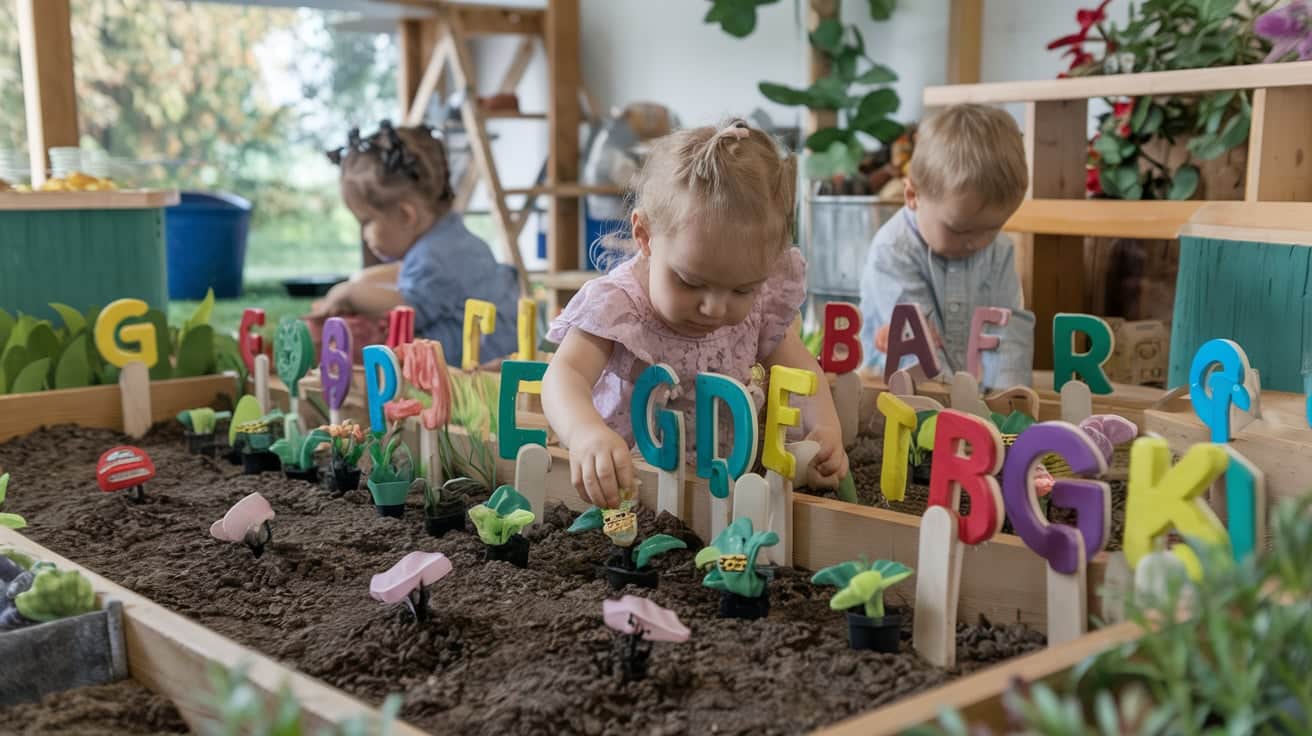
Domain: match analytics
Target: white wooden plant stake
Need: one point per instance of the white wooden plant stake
(751, 499)
(531, 466)
(781, 464)
(903, 386)
(965, 396)
(261, 375)
(134, 365)
(1076, 402)
(779, 507)
(938, 587)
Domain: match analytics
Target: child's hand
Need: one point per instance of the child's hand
(335, 303)
(830, 462)
(600, 465)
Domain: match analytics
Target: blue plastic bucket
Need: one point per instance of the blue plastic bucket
(206, 237)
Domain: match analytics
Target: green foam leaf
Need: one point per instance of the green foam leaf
(587, 521)
(32, 378)
(838, 575)
(196, 353)
(201, 317)
(42, 342)
(72, 319)
(163, 368)
(656, 544)
(73, 370)
(57, 594)
(248, 410)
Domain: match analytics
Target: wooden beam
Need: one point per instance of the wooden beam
(143, 199)
(1053, 279)
(568, 190)
(1104, 218)
(1280, 145)
(564, 77)
(1216, 79)
(433, 72)
(102, 406)
(45, 40)
(171, 655)
(965, 19)
(487, 19)
(409, 33)
(818, 67)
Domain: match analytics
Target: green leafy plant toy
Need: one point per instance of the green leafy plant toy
(627, 560)
(200, 424)
(56, 594)
(863, 584)
(297, 450)
(391, 472)
(732, 559)
(13, 521)
(255, 439)
(444, 507)
(499, 522)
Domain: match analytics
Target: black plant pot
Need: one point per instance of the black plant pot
(733, 605)
(618, 577)
(882, 634)
(233, 454)
(514, 551)
(201, 444)
(309, 476)
(339, 481)
(920, 474)
(254, 463)
(442, 523)
(395, 510)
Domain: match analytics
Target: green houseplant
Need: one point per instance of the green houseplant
(628, 559)
(863, 584)
(499, 522)
(731, 558)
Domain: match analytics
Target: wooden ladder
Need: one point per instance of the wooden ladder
(557, 27)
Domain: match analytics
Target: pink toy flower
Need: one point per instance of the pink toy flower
(631, 614)
(401, 409)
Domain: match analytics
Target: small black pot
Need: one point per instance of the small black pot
(395, 510)
(232, 454)
(309, 476)
(443, 523)
(340, 481)
(514, 551)
(733, 605)
(874, 634)
(920, 474)
(201, 444)
(254, 463)
(618, 577)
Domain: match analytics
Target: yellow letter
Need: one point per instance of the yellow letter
(528, 329)
(1161, 497)
(899, 422)
(108, 334)
(779, 416)
(480, 320)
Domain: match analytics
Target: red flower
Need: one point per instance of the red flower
(1123, 130)
(1092, 181)
(1087, 20)
(1090, 18)
(1123, 109)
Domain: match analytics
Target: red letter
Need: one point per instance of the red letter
(908, 334)
(250, 345)
(842, 326)
(400, 327)
(954, 470)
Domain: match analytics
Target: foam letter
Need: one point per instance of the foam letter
(842, 326)
(109, 330)
(1088, 366)
(979, 342)
(710, 387)
(249, 343)
(1162, 496)
(480, 320)
(899, 423)
(380, 382)
(908, 334)
(779, 416)
(646, 419)
(954, 470)
(1226, 384)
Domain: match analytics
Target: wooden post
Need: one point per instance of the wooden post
(964, 20)
(818, 11)
(1052, 274)
(1280, 146)
(46, 42)
(410, 40)
(564, 77)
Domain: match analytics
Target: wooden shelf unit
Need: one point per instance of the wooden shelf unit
(1056, 216)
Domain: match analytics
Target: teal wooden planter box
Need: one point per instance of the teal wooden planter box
(82, 249)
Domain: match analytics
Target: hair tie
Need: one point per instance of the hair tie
(737, 129)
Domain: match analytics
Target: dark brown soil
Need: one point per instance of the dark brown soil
(506, 651)
(866, 458)
(126, 708)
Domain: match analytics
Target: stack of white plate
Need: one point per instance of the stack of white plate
(13, 166)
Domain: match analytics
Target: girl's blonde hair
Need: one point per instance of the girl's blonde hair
(393, 164)
(734, 174)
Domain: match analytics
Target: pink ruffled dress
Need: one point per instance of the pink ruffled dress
(616, 307)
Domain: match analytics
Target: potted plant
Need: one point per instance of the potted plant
(498, 523)
(744, 592)
(640, 622)
(345, 446)
(444, 509)
(391, 471)
(255, 441)
(627, 560)
(36, 592)
(297, 450)
(200, 431)
(863, 584)
(922, 447)
(408, 581)
(247, 522)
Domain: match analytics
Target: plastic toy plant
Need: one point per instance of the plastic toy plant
(34, 592)
(408, 581)
(743, 592)
(200, 424)
(392, 469)
(627, 560)
(13, 521)
(346, 445)
(863, 584)
(246, 522)
(499, 521)
(640, 622)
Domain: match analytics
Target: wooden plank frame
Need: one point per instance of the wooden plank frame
(45, 39)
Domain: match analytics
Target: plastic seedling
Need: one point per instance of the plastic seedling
(16, 576)
(125, 467)
(255, 439)
(639, 623)
(408, 581)
(922, 446)
(732, 555)
(863, 584)
(298, 451)
(627, 560)
(498, 523)
(246, 522)
(390, 473)
(346, 445)
(13, 521)
(54, 594)
(444, 508)
(200, 424)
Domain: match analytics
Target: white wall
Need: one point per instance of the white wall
(661, 51)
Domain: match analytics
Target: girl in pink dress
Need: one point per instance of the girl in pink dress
(714, 286)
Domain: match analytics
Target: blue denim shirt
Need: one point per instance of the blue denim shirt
(900, 268)
(446, 266)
